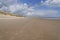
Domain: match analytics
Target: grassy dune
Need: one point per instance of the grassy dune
(9, 14)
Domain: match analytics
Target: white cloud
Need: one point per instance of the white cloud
(22, 8)
(45, 13)
(8, 2)
(52, 3)
(30, 10)
(15, 7)
(55, 1)
(29, 14)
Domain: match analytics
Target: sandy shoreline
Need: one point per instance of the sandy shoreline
(29, 29)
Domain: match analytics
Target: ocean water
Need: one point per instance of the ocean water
(51, 18)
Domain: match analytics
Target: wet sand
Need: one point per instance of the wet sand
(29, 29)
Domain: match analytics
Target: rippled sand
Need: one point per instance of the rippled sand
(29, 29)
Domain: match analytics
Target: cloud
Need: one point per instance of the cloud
(27, 10)
(9, 2)
(14, 7)
(45, 13)
(22, 9)
(52, 3)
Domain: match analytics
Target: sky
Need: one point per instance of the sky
(38, 8)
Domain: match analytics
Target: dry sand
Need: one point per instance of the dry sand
(29, 29)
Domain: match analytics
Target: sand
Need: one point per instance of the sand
(29, 29)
